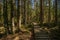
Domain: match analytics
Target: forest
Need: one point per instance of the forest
(19, 19)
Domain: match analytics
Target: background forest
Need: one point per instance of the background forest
(20, 16)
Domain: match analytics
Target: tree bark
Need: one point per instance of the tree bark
(5, 16)
(18, 16)
(55, 12)
(24, 14)
(12, 17)
(49, 15)
(41, 12)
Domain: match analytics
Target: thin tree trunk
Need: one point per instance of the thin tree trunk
(18, 16)
(24, 14)
(0, 14)
(41, 12)
(49, 15)
(12, 17)
(5, 16)
(55, 12)
(28, 12)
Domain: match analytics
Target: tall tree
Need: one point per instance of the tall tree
(5, 15)
(18, 15)
(28, 11)
(55, 12)
(0, 13)
(49, 14)
(12, 16)
(24, 14)
(41, 12)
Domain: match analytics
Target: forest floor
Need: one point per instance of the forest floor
(26, 35)
(17, 36)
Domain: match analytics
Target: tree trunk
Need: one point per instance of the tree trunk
(55, 12)
(5, 15)
(24, 14)
(41, 12)
(18, 16)
(12, 17)
(49, 15)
